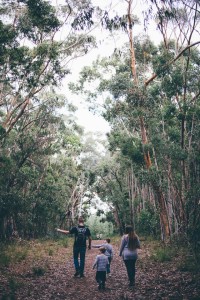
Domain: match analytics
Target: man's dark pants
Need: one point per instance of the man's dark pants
(79, 258)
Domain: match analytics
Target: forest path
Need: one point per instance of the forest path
(153, 280)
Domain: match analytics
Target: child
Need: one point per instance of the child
(108, 253)
(101, 263)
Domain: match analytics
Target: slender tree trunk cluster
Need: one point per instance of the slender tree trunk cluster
(171, 202)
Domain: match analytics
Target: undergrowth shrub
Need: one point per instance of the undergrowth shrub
(64, 242)
(163, 254)
(20, 256)
(14, 285)
(147, 222)
(51, 252)
(34, 249)
(4, 259)
(12, 254)
(189, 264)
(39, 271)
(10, 294)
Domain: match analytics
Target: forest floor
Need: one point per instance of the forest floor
(50, 277)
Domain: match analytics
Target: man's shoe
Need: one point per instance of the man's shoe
(76, 274)
(82, 275)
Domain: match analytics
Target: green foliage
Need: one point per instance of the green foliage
(34, 185)
(64, 242)
(33, 207)
(130, 147)
(189, 264)
(144, 49)
(133, 149)
(12, 254)
(163, 254)
(193, 209)
(84, 19)
(4, 259)
(110, 217)
(97, 227)
(39, 15)
(147, 222)
(161, 63)
(13, 286)
(19, 256)
(51, 252)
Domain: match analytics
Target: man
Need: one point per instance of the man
(81, 233)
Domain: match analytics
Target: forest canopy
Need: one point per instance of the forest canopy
(50, 170)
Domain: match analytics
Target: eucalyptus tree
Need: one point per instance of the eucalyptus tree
(180, 102)
(33, 56)
(180, 20)
(38, 40)
(38, 169)
(174, 14)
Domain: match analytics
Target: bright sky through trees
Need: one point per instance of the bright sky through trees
(106, 43)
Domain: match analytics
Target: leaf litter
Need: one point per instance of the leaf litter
(154, 280)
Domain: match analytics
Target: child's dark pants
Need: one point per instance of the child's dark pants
(101, 278)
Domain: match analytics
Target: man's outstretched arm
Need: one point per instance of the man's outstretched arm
(62, 230)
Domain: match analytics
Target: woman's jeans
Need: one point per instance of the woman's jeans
(79, 258)
(130, 267)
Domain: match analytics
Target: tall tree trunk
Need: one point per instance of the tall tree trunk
(132, 194)
(165, 228)
(160, 197)
(117, 219)
(147, 157)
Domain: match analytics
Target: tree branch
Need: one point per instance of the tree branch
(172, 61)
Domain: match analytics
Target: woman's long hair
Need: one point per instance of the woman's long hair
(132, 238)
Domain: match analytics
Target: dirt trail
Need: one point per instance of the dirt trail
(153, 280)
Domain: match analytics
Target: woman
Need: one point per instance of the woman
(128, 250)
